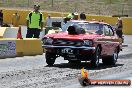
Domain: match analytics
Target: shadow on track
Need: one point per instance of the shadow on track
(86, 65)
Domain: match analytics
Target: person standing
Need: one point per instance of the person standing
(49, 21)
(35, 22)
(82, 16)
(119, 27)
(15, 19)
(69, 17)
(1, 18)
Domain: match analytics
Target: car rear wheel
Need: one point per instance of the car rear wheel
(96, 57)
(111, 60)
(50, 58)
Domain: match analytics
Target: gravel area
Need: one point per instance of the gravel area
(54, 77)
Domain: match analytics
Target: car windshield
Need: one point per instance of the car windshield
(88, 27)
(92, 27)
(65, 26)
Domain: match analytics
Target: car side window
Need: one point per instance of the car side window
(111, 31)
(107, 30)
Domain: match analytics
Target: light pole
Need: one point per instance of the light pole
(28, 3)
(122, 9)
(52, 4)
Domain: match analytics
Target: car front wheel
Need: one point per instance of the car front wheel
(114, 57)
(50, 58)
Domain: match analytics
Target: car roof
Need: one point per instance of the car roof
(99, 22)
(78, 21)
(84, 21)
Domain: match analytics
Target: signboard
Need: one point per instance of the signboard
(7, 48)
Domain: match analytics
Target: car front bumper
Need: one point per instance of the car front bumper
(71, 52)
(72, 47)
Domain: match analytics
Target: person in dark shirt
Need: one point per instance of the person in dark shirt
(82, 16)
(1, 17)
(69, 17)
(119, 27)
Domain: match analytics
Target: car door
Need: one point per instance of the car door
(108, 47)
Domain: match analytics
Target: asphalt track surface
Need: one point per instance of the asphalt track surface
(33, 72)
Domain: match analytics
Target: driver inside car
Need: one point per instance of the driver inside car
(75, 29)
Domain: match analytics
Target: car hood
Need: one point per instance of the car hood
(64, 35)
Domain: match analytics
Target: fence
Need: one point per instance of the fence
(87, 6)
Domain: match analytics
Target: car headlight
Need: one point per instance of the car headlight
(47, 40)
(88, 42)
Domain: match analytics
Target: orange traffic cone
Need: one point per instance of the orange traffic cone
(19, 34)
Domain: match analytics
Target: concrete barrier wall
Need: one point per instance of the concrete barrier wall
(7, 48)
(107, 19)
(9, 13)
(12, 47)
(127, 26)
(23, 14)
(10, 32)
(28, 47)
(111, 20)
(2, 31)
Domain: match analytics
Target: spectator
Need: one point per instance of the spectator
(119, 27)
(1, 18)
(69, 17)
(15, 19)
(34, 23)
(82, 16)
(75, 16)
(49, 21)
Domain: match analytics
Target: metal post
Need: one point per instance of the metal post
(99, 12)
(122, 9)
(75, 5)
(52, 3)
(110, 1)
(28, 3)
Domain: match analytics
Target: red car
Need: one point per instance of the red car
(83, 41)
